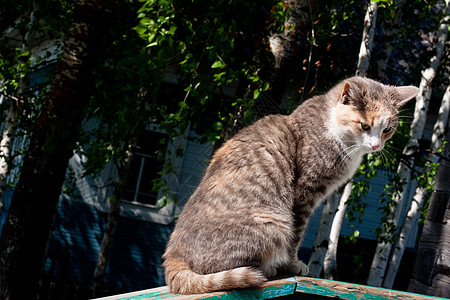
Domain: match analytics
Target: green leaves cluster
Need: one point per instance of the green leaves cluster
(193, 46)
(196, 43)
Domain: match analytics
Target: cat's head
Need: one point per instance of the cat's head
(365, 112)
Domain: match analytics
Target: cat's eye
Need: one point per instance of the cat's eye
(365, 126)
(387, 130)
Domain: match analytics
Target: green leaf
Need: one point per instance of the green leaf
(256, 94)
(162, 202)
(217, 64)
(140, 29)
(172, 29)
(151, 37)
(218, 126)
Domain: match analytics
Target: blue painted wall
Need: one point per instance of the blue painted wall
(135, 261)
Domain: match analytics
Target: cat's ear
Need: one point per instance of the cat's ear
(405, 93)
(345, 96)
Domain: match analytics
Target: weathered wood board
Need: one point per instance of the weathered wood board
(271, 289)
(298, 287)
(343, 290)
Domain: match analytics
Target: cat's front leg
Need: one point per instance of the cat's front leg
(297, 268)
(302, 214)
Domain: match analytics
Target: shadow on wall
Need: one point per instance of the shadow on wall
(135, 261)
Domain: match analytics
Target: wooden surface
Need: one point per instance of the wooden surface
(343, 290)
(271, 289)
(302, 287)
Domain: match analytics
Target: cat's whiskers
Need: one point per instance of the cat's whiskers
(405, 119)
(348, 152)
(409, 122)
(388, 157)
(385, 157)
(394, 148)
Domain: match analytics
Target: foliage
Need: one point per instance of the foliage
(202, 43)
(202, 46)
(181, 65)
(25, 75)
(423, 13)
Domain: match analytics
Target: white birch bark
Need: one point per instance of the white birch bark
(6, 147)
(327, 223)
(10, 121)
(323, 234)
(390, 39)
(379, 263)
(412, 217)
(367, 39)
(440, 125)
(330, 262)
(282, 44)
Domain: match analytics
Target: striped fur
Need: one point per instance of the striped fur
(184, 281)
(246, 220)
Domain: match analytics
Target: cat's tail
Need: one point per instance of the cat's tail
(182, 280)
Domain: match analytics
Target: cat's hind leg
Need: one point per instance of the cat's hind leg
(272, 262)
(269, 271)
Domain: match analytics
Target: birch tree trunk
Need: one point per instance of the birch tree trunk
(288, 45)
(419, 197)
(25, 235)
(123, 171)
(328, 223)
(330, 262)
(111, 225)
(6, 147)
(390, 40)
(370, 21)
(321, 243)
(277, 61)
(10, 122)
(379, 263)
(440, 125)
(431, 274)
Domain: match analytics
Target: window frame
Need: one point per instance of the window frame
(149, 212)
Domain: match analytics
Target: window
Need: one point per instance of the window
(146, 166)
(42, 75)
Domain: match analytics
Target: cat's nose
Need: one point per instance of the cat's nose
(375, 147)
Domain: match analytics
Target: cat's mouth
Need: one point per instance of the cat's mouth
(374, 148)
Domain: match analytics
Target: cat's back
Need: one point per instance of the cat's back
(245, 176)
(247, 184)
(261, 158)
(268, 136)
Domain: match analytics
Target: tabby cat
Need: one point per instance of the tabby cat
(245, 221)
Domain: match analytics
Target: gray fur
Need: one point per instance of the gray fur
(250, 211)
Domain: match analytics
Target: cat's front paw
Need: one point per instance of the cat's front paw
(297, 267)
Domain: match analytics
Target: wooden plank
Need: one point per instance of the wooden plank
(343, 290)
(304, 287)
(271, 289)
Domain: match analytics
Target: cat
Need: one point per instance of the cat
(246, 220)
